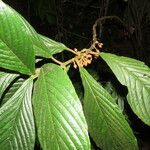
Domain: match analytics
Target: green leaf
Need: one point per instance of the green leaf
(16, 120)
(58, 112)
(5, 80)
(136, 76)
(11, 90)
(53, 47)
(38, 45)
(106, 123)
(16, 48)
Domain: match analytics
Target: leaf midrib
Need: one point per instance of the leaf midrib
(98, 105)
(17, 57)
(136, 78)
(15, 119)
(127, 68)
(127, 133)
(11, 49)
(130, 72)
(53, 124)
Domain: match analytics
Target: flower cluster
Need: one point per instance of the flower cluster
(85, 56)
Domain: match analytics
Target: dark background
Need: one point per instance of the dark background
(71, 21)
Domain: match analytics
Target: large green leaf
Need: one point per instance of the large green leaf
(16, 48)
(53, 47)
(58, 112)
(16, 120)
(5, 80)
(39, 46)
(11, 90)
(136, 76)
(106, 123)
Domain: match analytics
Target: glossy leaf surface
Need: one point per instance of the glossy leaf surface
(5, 80)
(16, 120)
(11, 90)
(16, 48)
(39, 46)
(58, 112)
(106, 123)
(136, 76)
(53, 47)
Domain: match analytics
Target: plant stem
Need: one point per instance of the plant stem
(63, 64)
(105, 18)
(56, 61)
(37, 72)
(72, 51)
(68, 62)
